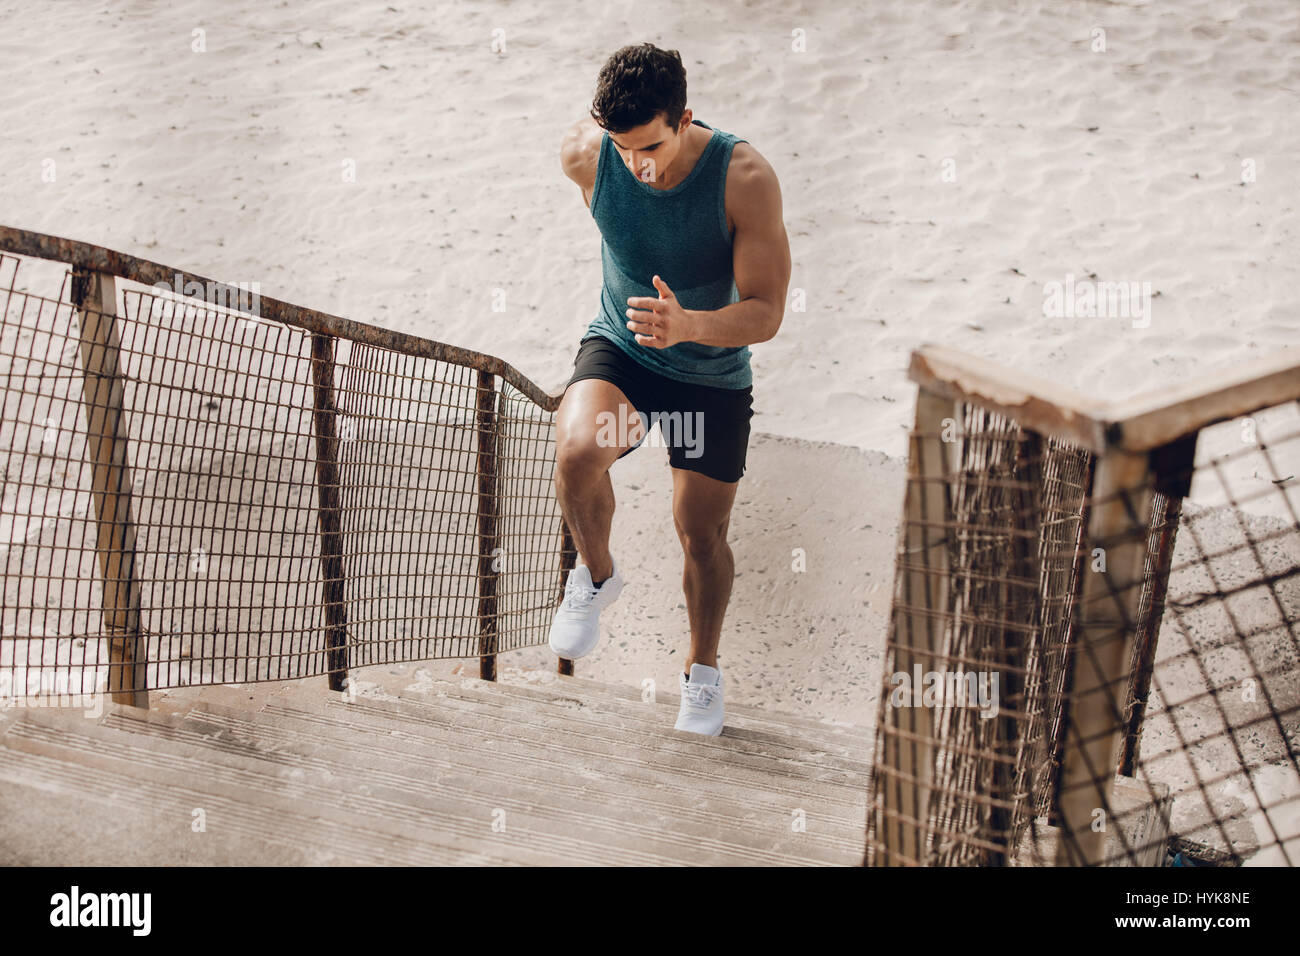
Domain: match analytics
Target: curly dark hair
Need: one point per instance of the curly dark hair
(636, 84)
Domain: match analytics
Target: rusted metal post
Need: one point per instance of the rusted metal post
(1056, 728)
(921, 617)
(1119, 526)
(486, 425)
(1147, 637)
(568, 560)
(1012, 753)
(94, 294)
(328, 489)
(1173, 465)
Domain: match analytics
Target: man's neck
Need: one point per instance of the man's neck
(687, 157)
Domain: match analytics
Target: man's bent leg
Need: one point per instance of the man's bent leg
(702, 514)
(586, 446)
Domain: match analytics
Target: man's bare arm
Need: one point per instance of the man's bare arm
(580, 153)
(760, 258)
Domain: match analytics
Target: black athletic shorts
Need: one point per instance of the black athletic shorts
(706, 429)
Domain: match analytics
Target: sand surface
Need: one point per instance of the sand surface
(1126, 164)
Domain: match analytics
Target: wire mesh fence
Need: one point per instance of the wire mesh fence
(195, 493)
(1093, 651)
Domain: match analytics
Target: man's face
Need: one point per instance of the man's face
(649, 150)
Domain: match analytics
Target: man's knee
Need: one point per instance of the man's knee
(702, 542)
(583, 457)
(588, 434)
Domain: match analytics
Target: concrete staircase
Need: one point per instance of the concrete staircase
(534, 769)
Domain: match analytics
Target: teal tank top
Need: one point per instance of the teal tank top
(679, 234)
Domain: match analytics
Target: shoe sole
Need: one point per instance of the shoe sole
(569, 655)
(700, 733)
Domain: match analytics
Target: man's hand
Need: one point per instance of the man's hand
(659, 323)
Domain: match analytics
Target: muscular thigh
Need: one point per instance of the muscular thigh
(596, 422)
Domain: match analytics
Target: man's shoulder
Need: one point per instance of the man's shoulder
(748, 168)
(752, 184)
(580, 151)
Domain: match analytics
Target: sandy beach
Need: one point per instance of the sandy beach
(939, 163)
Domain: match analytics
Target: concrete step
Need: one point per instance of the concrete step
(467, 736)
(851, 741)
(849, 735)
(577, 772)
(120, 809)
(393, 759)
(51, 805)
(594, 739)
(695, 764)
(797, 736)
(632, 724)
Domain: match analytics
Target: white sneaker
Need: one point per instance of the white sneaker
(701, 708)
(575, 631)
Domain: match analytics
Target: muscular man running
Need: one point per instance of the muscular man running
(696, 264)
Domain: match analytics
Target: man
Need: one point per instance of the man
(696, 265)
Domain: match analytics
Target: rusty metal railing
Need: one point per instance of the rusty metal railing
(1096, 624)
(205, 485)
